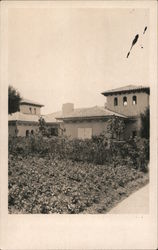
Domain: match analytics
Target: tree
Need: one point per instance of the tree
(43, 127)
(14, 99)
(115, 127)
(145, 124)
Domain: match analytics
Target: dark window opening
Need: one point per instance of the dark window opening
(115, 101)
(134, 134)
(32, 132)
(30, 110)
(27, 133)
(54, 131)
(35, 110)
(134, 100)
(124, 101)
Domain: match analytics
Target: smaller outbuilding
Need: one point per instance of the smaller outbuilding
(25, 121)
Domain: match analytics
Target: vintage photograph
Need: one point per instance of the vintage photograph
(78, 110)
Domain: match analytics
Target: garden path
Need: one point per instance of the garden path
(136, 203)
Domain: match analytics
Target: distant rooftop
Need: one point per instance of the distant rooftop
(127, 89)
(26, 101)
(92, 112)
(51, 118)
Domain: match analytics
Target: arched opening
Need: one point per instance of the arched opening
(27, 133)
(32, 132)
(124, 101)
(115, 101)
(134, 100)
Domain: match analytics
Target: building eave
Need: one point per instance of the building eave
(89, 118)
(22, 122)
(54, 123)
(32, 104)
(27, 122)
(138, 90)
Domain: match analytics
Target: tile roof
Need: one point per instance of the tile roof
(51, 118)
(18, 116)
(128, 88)
(26, 101)
(96, 112)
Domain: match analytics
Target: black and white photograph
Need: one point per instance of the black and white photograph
(80, 99)
(78, 110)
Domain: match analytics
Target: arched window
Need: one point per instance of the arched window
(115, 101)
(134, 100)
(32, 132)
(35, 110)
(30, 110)
(124, 101)
(27, 133)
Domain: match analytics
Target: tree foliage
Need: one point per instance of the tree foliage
(43, 129)
(14, 99)
(115, 127)
(145, 124)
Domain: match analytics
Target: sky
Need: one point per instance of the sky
(60, 55)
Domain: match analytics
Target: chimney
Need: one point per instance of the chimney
(67, 108)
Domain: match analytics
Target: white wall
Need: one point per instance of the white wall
(130, 109)
(25, 109)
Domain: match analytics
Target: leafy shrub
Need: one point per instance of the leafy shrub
(49, 185)
(115, 127)
(98, 150)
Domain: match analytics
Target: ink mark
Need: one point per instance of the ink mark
(145, 29)
(128, 54)
(133, 43)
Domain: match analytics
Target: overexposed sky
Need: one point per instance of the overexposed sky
(59, 55)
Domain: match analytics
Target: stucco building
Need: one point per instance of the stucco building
(83, 123)
(25, 121)
(130, 100)
(125, 102)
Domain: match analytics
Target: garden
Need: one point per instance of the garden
(59, 175)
